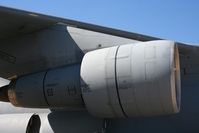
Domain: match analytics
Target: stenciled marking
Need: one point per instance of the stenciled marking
(7, 57)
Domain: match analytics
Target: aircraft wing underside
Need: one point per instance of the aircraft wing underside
(42, 55)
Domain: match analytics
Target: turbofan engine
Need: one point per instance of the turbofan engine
(130, 80)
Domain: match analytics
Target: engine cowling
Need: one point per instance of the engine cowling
(132, 80)
(20, 123)
(56, 88)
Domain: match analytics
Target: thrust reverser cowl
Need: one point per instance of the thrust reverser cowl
(132, 80)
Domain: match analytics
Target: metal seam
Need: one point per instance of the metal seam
(116, 84)
(44, 88)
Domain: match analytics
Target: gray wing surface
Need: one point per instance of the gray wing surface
(17, 22)
(25, 37)
(31, 42)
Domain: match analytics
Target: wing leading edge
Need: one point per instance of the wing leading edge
(15, 22)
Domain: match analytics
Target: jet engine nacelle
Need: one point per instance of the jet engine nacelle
(132, 80)
(20, 123)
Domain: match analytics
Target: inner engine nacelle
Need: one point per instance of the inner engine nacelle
(132, 80)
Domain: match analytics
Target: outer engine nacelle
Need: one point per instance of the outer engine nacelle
(132, 80)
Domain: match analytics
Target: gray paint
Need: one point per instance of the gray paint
(49, 48)
(72, 122)
(56, 88)
(184, 122)
(43, 52)
(19, 123)
(133, 80)
(23, 22)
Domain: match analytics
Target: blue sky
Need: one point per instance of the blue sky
(170, 19)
